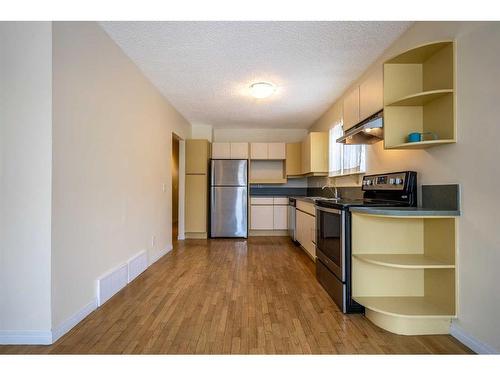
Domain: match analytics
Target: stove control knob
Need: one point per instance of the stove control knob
(392, 181)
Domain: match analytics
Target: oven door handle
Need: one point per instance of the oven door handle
(330, 210)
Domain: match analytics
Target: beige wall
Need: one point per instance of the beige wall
(25, 176)
(472, 163)
(258, 135)
(112, 133)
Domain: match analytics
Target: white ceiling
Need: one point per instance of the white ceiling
(204, 68)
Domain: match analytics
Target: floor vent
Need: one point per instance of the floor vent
(137, 265)
(111, 283)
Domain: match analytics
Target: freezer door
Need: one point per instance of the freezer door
(228, 212)
(229, 172)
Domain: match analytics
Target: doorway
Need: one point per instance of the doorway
(175, 185)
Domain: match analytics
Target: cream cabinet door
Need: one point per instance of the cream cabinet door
(293, 159)
(311, 236)
(351, 109)
(276, 151)
(239, 150)
(221, 150)
(371, 94)
(258, 151)
(261, 217)
(196, 203)
(280, 217)
(300, 224)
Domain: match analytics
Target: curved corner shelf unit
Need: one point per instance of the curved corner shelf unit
(419, 95)
(403, 271)
(410, 261)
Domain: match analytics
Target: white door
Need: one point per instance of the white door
(221, 150)
(280, 221)
(239, 150)
(258, 151)
(276, 151)
(261, 217)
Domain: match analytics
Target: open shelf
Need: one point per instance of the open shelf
(420, 98)
(419, 54)
(422, 144)
(406, 280)
(407, 306)
(413, 261)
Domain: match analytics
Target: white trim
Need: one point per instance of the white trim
(161, 253)
(182, 192)
(73, 320)
(25, 337)
(137, 265)
(470, 341)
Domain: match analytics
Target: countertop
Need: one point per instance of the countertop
(404, 211)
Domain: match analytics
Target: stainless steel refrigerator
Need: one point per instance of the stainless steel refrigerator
(229, 198)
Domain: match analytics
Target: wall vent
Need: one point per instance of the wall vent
(109, 284)
(137, 265)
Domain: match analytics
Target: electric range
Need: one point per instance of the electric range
(333, 230)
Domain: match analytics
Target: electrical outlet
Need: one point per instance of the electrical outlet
(153, 241)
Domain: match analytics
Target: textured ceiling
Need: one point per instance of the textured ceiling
(204, 68)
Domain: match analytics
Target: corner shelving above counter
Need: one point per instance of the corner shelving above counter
(420, 98)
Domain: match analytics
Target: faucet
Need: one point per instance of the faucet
(335, 191)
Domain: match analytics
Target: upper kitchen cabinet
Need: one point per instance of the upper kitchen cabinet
(197, 155)
(239, 150)
(230, 150)
(364, 99)
(419, 97)
(293, 160)
(267, 151)
(371, 93)
(351, 109)
(314, 154)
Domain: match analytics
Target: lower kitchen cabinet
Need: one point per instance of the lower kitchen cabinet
(306, 232)
(196, 203)
(280, 217)
(261, 217)
(268, 213)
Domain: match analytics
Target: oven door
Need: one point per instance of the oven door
(330, 239)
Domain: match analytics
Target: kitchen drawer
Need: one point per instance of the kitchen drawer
(280, 201)
(306, 207)
(255, 201)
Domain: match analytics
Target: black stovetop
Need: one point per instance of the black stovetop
(362, 202)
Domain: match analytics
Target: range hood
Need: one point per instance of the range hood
(368, 131)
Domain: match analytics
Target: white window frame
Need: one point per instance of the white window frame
(337, 152)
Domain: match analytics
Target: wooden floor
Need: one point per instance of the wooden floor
(232, 296)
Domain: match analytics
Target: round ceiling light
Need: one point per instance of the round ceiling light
(261, 90)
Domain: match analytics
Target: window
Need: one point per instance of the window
(344, 159)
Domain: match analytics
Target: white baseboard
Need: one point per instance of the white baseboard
(111, 283)
(73, 320)
(25, 337)
(470, 341)
(161, 253)
(137, 265)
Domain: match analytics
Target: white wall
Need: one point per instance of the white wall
(259, 135)
(201, 132)
(25, 176)
(111, 156)
(472, 163)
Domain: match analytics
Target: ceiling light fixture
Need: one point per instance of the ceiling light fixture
(261, 90)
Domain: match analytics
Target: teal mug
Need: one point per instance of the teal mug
(419, 137)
